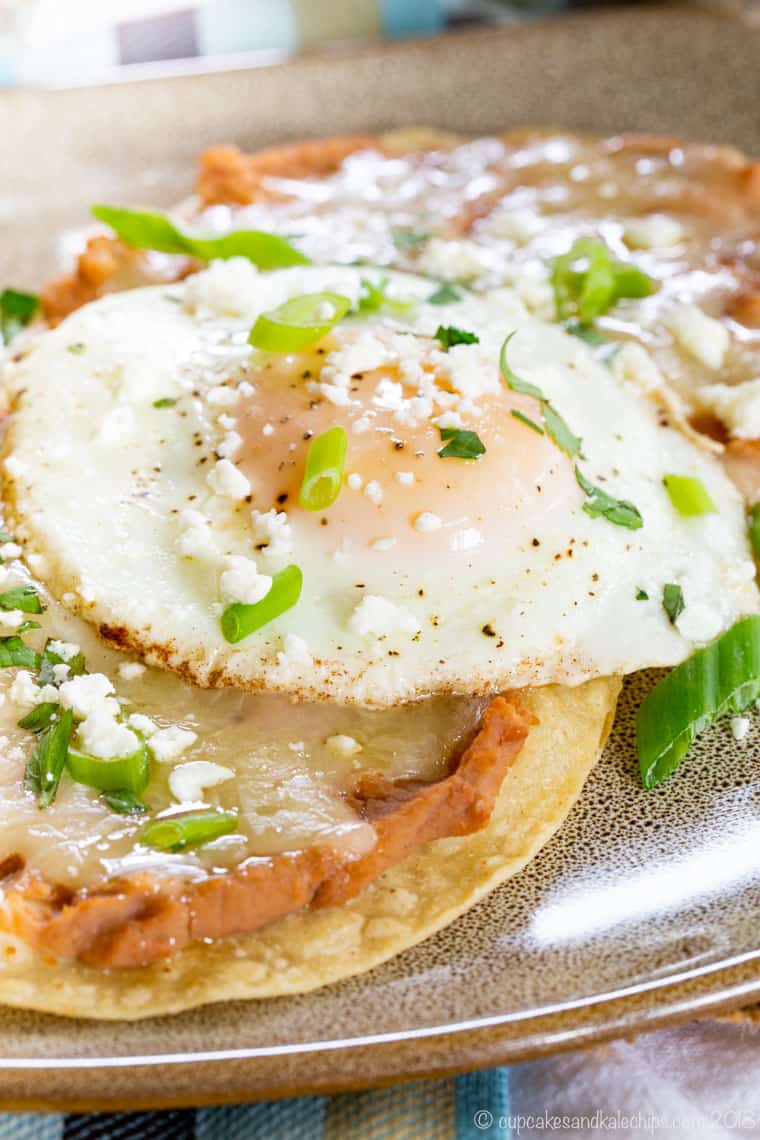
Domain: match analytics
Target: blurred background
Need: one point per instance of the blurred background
(72, 42)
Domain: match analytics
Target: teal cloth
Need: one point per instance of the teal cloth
(458, 1108)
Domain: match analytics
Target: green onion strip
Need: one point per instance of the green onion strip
(121, 773)
(299, 322)
(177, 833)
(142, 229)
(689, 495)
(49, 758)
(240, 620)
(323, 477)
(723, 677)
(588, 281)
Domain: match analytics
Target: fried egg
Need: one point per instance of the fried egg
(155, 458)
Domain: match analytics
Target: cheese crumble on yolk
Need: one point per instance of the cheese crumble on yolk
(519, 584)
(409, 495)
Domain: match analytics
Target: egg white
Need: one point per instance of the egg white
(510, 584)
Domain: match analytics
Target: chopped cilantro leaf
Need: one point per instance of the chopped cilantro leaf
(672, 601)
(28, 624)
(527, 421)
(514, 382)
(14, 651)
(559, 432)
(461, 444)
(598, 502)
(40, 717)
(49, 659)
(445, 294)
(556, 428)
(374, 297)
(24, 598)
(16, 311)
(449, 335)
(586, 333)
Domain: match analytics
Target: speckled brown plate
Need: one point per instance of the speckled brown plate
(645, 909)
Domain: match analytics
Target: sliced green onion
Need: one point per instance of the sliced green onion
(143, 229)
(445, 294)
(588, 281)
(16, 311)
(323, 477)
(264, 250)
(642, 595)
(596, 293)
(124, 802)
(374, 298)
(617, 511)
(77, 348)
(240, 620)
(40, 717)
(527, 421)
(45, 768)
(299, 322)
(165, 402)
(556, 428)
(567, 281)
(461, 444)
(722, 677)
(631, 282)
(131, 773)
(672, 601)
(179, 832)
(689, 495)
(14, 651)
(24, 598)
(449, 335)
(753, 522)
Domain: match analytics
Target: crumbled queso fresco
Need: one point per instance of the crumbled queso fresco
(434, 386)
(468, 537)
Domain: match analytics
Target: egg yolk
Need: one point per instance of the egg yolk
(397, 491)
